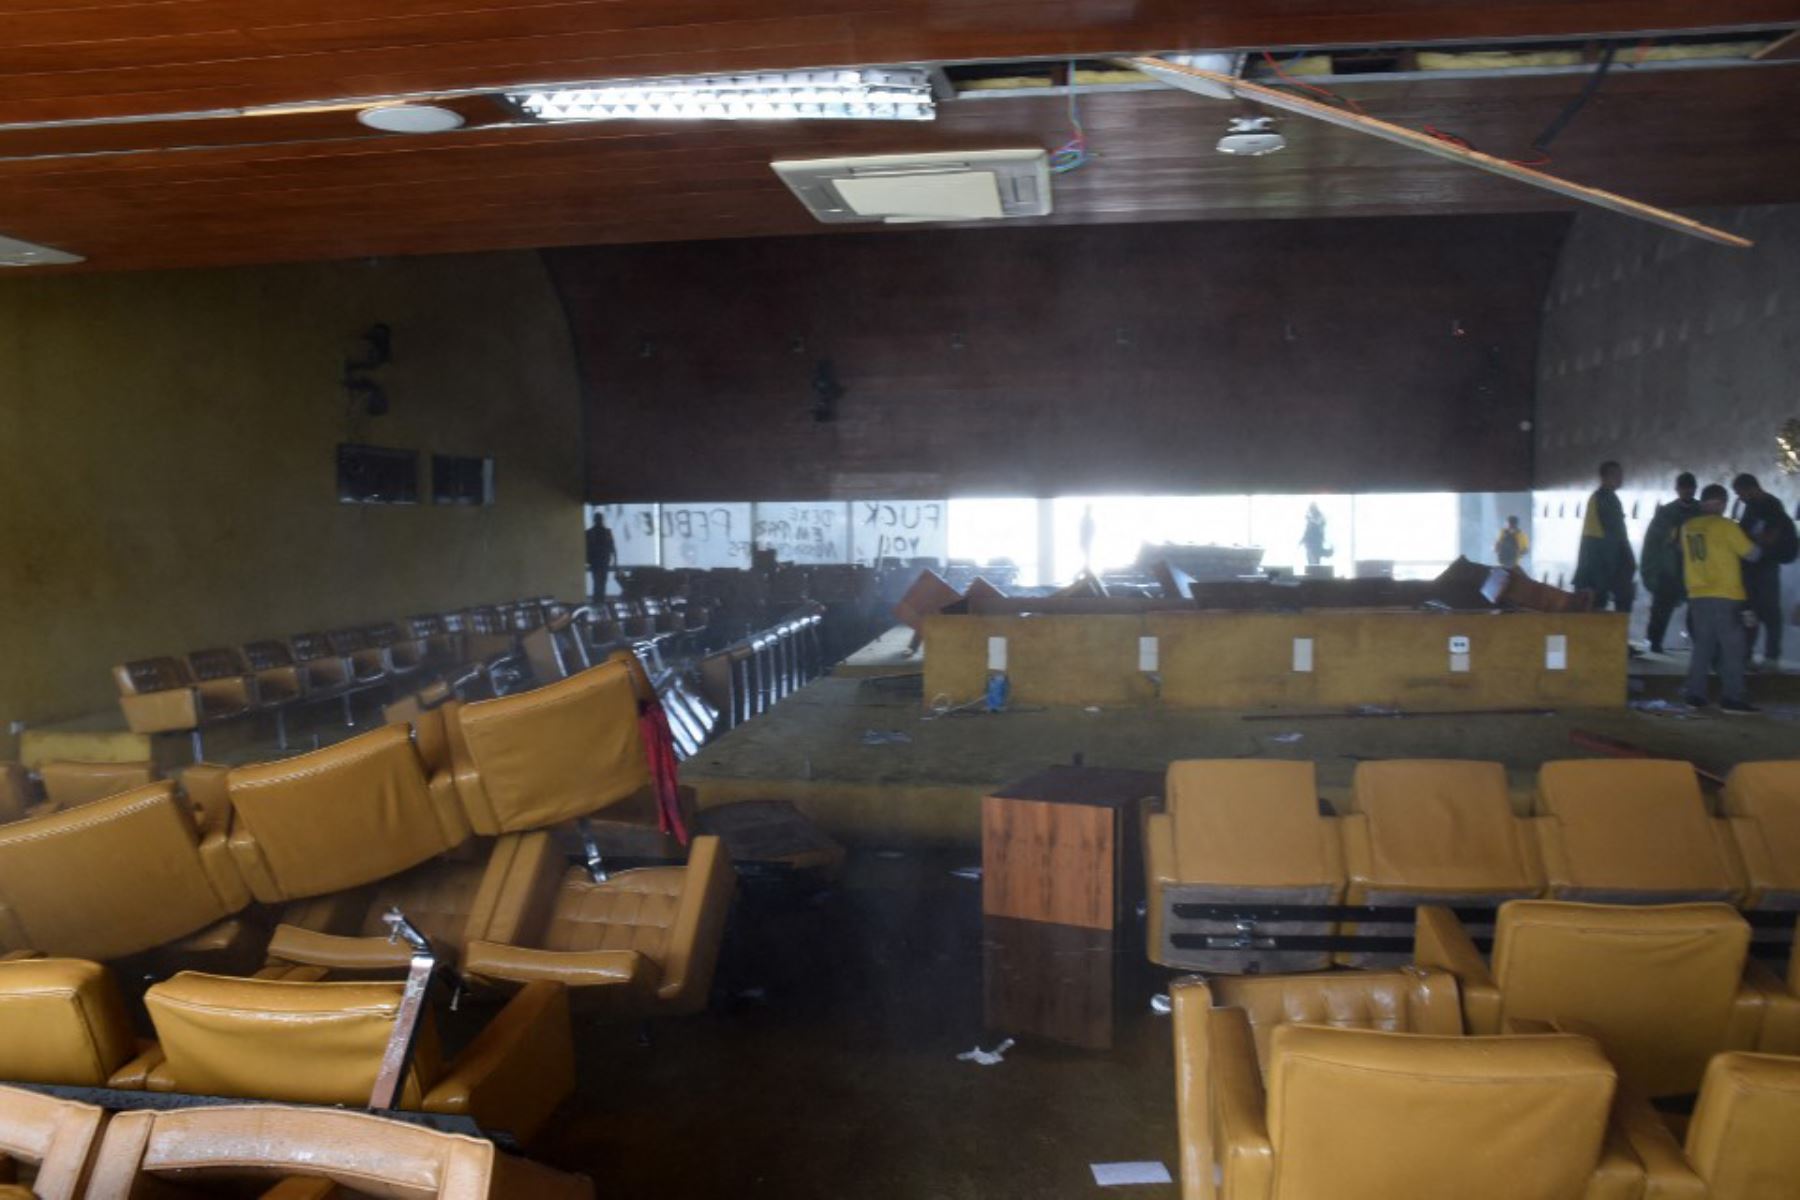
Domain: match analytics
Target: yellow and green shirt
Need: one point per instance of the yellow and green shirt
(1712, 552)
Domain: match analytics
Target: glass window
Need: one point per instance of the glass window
(705, 536)
(902, 529)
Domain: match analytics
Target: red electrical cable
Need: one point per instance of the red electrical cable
(1341, 101)
(659, 750)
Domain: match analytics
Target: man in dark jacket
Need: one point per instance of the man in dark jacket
(1660, 562)
(601, 552)
(1605, 565)
(1771, 529)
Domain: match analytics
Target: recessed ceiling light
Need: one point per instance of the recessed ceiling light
(850, 94)
(411, 118)
(14, 253)
(1252, 137)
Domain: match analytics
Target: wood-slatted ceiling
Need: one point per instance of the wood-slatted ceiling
(317, 185)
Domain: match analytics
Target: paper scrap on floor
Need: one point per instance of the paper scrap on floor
(986, 1058)
(1126, 1174)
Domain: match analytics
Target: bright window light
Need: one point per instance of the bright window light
(856, 94)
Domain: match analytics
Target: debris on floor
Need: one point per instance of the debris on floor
(885, 737)
(1672, 708)
(970, 873)
(986, 1058)
(1286, 739)
(1161, 1005)
(1128, 1174)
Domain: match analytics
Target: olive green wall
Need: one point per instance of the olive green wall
(169, 450)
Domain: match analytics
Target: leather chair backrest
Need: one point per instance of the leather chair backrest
(279, 1039)
(348, 641)
(384, 634)
(1744, 1138)
(551, 754)
(151, 675)
(1248, 823)
(1441, 823)
(1633, 824)
(60, 1136)
(1769, 794)
(1655, 983)
(267, 655)
(484, 620)
(361, 1153)
(72, 784)
(1354, 1115)
(111, 878)
(310, 647)
(339, 817)
(62, 1020)
(220, 662)
(1408, 1000)
(425, 626)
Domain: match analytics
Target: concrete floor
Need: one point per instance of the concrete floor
(829, 1069)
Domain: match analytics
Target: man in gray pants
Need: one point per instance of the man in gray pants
(1713, 551)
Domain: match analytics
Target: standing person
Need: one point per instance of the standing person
(1605, 565)
(1317, 551)
(1769, 526)
(1660, 562)
(1713, 554)
(602, 551)
(1087, 538)
(1512, 544)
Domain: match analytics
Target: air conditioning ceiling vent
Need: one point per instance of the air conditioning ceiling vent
(976, 185)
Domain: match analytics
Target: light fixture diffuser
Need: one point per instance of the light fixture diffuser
(850, 94)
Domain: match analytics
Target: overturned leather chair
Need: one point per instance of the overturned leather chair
(1632, 831)
(69, 784)
(313, 1153)
(114, 877)
(54, 1139)
(338, 818)
(526, 769)
(62, 1021)
(324, 1042)
(1762, 802)
(1432, 831)
(1350, 1114)
(1744, 1139)
(1663, 988)
(1239, 832)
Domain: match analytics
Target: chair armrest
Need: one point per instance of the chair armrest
(1758, 859)
(518, 1069)
(208, 796)
(292, 944)
(1729, 856)
(1359, 870)
(221, 868)
(1779, 1029)
(1547, 833)
(1667, 1175)
(1439, 941)
(572, 968)
(173, 711)
(134, 1076)
(1192, 1017)
(693, 946)
(1240, 1128)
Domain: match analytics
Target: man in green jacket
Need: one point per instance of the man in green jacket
(1605, 565)
(1660, 562)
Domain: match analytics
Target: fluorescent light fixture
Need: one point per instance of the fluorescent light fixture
(851, 94)
(14, 253)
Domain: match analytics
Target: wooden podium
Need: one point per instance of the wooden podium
(1060, 871)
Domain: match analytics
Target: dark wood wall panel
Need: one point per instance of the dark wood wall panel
(1197, 357)
(61, 59)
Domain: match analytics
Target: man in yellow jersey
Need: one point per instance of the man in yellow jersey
(1713, 551)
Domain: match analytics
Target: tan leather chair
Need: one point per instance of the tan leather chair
(314, 1042)
(72, 784)
(57, 1138)
(279, 679)
(1632, 831)
(159, 695)
(369, 663)
(404, 654)
(1744, 1138)
(1662, 987)
(1433, 831)
(1762, 801)
(443, 645)
(223, 678)
(1239, 831)
(338, 818)
(1351, 1114)
(361, 1153)
(113, 877)
(62, 1020)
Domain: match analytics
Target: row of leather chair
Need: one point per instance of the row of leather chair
(189, 693)
(1527, 1080)
(1255, 833)
(67, 1150)
(752, 675)
(63, 784)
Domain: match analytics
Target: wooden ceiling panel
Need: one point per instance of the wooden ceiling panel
(62, 59)
(1681, 139)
